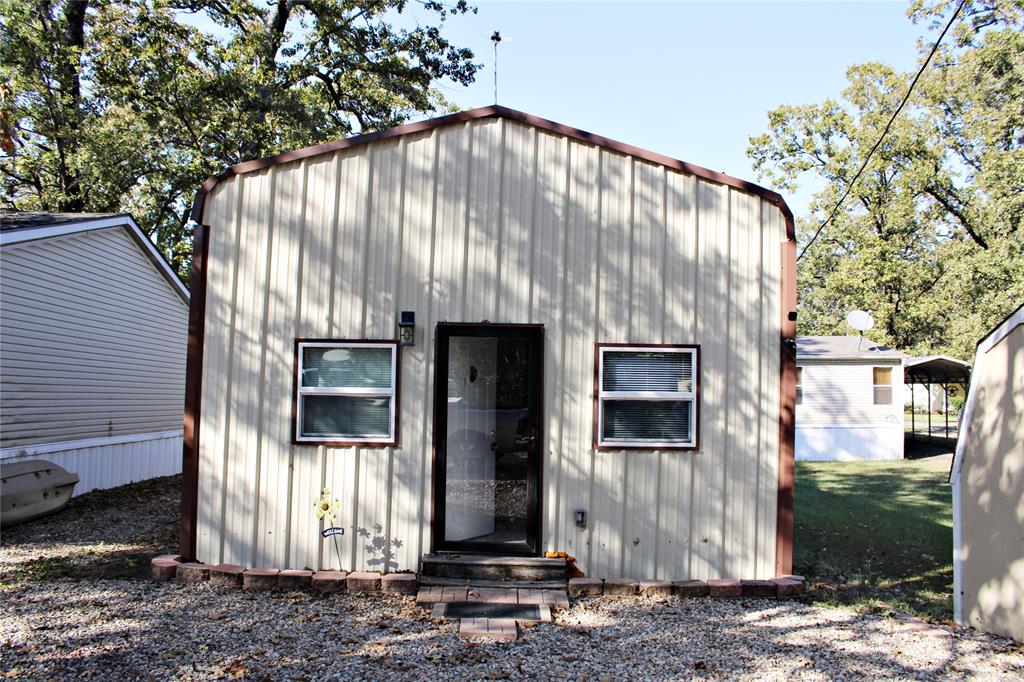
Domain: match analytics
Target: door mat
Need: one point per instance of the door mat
(485, 610)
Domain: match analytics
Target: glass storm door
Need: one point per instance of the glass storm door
(487, 439)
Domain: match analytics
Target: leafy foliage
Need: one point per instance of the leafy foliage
(127, 105)
(930, 240)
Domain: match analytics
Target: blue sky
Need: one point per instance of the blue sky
(686, 79)
(692, 80)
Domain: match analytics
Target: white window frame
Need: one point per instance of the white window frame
(693, 396)
(891, 386)
(355, 392)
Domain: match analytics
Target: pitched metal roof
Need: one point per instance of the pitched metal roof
(495, 111)
(936, 369)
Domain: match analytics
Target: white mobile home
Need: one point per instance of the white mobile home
(92, 359)
(988, 488)
(491, 333)
(849, 403)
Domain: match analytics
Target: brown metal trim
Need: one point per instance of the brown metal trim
(494, 111)
(193, 393)
(597, 389)
(542, 448)
(397, 442)
(440, 398)
(488, 324)
(787, 415)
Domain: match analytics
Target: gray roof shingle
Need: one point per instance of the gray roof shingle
(842, 348)
(11, 221)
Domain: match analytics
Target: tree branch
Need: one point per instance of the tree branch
(959, 215)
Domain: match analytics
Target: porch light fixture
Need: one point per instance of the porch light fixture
(407, 328)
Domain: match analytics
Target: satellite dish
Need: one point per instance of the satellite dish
(860, 320)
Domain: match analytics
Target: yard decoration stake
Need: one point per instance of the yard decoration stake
(326, 509)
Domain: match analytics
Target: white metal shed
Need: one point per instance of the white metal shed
(988, 488)
(490, 332)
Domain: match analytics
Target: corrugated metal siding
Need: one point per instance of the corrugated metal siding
(500, 221)
(94, 341)
(990, 490)
(842, 394)
(115, 464)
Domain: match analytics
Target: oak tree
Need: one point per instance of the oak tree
(127, 105)
(930, 238)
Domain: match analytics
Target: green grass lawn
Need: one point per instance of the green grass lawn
(877, 534)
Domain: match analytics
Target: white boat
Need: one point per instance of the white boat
(32, 489)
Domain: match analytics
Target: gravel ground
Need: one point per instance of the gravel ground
(103, 534)
(55, 627)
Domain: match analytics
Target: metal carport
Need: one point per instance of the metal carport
(934, 370)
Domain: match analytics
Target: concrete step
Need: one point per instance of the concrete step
(491, 595)
(470, 567)
(431, 581)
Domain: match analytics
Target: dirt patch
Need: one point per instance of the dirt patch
(103, 534)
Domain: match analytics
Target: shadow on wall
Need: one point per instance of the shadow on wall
(992, 495)
(380, 549)
(325, 264)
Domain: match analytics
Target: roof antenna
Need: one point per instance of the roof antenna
(495, 38)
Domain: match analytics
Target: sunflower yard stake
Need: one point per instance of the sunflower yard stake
(325, 509)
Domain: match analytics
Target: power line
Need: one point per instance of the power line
(885, 131)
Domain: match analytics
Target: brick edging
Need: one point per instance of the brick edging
(786, 587)
(170, 566)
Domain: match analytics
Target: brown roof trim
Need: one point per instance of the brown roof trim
(494, 111)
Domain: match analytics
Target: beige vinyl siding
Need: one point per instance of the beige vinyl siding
(837, 393)
(988, 491)
(495, 220)
(94, 341)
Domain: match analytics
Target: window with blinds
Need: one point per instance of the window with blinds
(346, 392)
(647, 396)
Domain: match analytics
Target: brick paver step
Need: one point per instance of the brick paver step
(489, 628)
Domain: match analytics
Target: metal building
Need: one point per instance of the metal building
(491, 333)
(988, 488)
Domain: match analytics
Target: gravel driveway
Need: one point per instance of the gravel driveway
(130, 628)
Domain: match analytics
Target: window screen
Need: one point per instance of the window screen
(647, 397)
(346, 392)
(883, 385)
